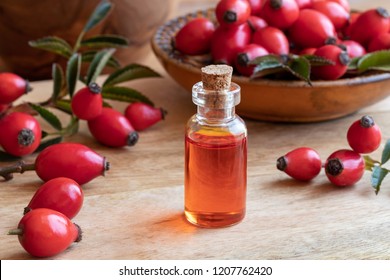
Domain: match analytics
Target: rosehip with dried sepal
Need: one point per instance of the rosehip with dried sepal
(344, 167)
(72, 160)
(111, 128)
(20, 133)
(302, 164)
(364, 135)
(12, 87)
(61, 194)
(87, 103)
(280, 13)
(232, 12)
(142, 115)
(45, 232)
(340, 59)
(247, 54)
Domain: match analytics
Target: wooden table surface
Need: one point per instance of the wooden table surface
(136, 210)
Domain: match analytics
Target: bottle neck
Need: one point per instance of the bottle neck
(212, 115)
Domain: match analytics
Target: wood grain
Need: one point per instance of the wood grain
(136, 210)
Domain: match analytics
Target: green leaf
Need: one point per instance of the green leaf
(353, 64)
(64, 105)
(318, 60)
(130, 72)
(98, 15)
(105, 41)
(374, 60)
(89, 56)
(72, 128)
(47, 143)
(377, 176)
(299, 66)
(97, 65)
(265, 60)
(47, 116)
(370, 163)
(53, 44)
(386, 152)
(58, 80)
(73, 72)
(124, 94)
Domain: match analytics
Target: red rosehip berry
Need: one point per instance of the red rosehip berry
(344, 167)
(335, 54)
(45, 232)
(12, 87)
(194, 38)
(113, 129)
(364, 135)
(142, 116)
(354, 49)
(256, 23)
(256, 6)
(380, 42)
(232, 12)
(87, 103)
(334, 11)
(369, 25)
(280, 13)
(272, 39)
(312, 29)
(61, 194)
(226, 42)
(301, 164)
(71, 160)
(20, 133)
(247, 54)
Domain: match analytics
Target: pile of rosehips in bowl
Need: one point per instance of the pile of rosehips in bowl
(343, 167)
(248, 29)
(21, 133)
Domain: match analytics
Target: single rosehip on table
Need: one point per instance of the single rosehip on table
(20, 133)
(45, 232)
(344, 167)
(72, 160)
(12, 87)
(142, 115)
(113, 129)
(61, 194)
(301, 163)
(87, 103)
(364, 135)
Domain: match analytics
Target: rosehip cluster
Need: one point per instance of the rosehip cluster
(343, 167)
(246, 29)
(46, 228)
(109, 126)
(20, 132)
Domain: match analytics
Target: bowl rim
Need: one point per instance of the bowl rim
(167, 56)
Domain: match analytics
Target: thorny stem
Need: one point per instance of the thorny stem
(21, 166)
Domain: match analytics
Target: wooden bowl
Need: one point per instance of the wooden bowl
(272, 100)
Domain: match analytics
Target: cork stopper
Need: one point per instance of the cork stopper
(217, 77)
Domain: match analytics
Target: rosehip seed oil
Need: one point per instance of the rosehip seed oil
(215, 180)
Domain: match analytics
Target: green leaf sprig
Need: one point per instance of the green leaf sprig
(379, 171)
(98, 52)
(300, 65)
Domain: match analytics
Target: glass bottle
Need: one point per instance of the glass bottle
(215, 152)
